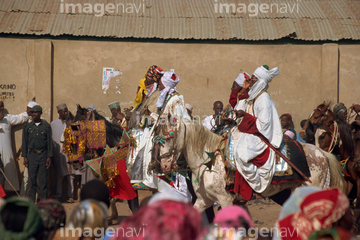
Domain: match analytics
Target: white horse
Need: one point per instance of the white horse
(192, 140)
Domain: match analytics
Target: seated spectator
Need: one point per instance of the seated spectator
(288, 136)
(19, 219)
(53, 217)
(299, 138)
(97, 190)
(317, 210)
(287, 123)
(162, 220)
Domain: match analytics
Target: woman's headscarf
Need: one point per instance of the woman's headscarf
(318, 210)
(32, 224)
(162, 220)
(230, 223)
(52, 213)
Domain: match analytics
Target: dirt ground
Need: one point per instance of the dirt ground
(263, 215)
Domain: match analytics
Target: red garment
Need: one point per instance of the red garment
(2, 192)
(319, 210)
(248, 124)
(123, 188)
(241, 186)
(233, 96)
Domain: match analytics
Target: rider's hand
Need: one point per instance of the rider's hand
(356, 107)
(26, 162)
(240, 113)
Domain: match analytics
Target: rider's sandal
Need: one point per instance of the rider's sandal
(138, 186)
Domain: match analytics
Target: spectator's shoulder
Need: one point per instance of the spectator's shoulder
(46, 124)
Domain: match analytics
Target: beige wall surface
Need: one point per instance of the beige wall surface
(59, 71)
(207, 72)
(349, 74)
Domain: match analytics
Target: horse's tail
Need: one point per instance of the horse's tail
(336, 175)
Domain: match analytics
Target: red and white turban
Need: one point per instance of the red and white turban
(169, 80)
(241, 78)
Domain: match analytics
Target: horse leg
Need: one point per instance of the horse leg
(114, 214)
(201, 205)
(134, 203)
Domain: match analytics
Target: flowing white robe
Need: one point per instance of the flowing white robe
(209, 122)
(5, 148)
(250, 146)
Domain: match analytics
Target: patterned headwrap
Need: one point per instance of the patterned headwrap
(265, 76)
(164, 219)
(32, 224)
(318, 210)
(52, 214)
(153, 75)
(169, 80)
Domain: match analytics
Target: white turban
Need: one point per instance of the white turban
(32, 104)
(169, 80)
(241, 78)
(265, 76)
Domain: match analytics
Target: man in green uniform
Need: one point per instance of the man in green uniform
(37, 150)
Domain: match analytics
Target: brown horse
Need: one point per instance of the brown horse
(335, 137)
(114, 134)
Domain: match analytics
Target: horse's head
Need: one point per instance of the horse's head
(168, 145)
(333, 136)
(81, 113)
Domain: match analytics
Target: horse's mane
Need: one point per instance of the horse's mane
(199, 138)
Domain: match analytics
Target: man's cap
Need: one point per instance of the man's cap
(114, 105)
(91, 108)
(61, 106)
(32, 104)
(36, 108)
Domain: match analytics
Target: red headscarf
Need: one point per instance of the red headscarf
(319, 210)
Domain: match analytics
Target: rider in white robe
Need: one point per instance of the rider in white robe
(169, 103)
(260, 116)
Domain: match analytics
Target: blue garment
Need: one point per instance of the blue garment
(299, 139)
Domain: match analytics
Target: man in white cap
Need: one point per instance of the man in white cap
(254, 158)
(7, 157)
(60, 159)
